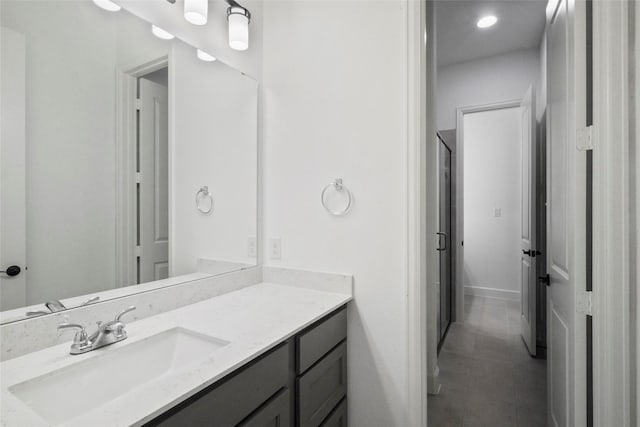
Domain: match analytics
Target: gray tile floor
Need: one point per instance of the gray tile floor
(487, 376)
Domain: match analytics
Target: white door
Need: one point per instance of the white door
(528, 280)
(154, 182)
(566, 229)
(12, 169)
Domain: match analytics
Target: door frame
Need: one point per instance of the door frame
(126, 134)
(420, 222)
(614, 269)
(459, 196)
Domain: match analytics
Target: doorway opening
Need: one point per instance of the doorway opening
(152, 176)
(491, 100)
(142, 171)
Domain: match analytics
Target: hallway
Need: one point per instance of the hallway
(487, 375)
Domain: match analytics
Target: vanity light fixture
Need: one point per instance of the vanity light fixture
(487, 21)
(107, 5)
(204, 56)
(160, 33)
(238, 18)
(195, 11)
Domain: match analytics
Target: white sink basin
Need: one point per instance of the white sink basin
(69, 392)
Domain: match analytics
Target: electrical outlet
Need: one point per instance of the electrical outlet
(497, 212)
(252, 247)
(275, 248)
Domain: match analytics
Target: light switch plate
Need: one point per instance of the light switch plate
(275, 248)
(252, 247)
(497, 212)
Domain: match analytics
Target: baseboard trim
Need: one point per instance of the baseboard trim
(492, 293)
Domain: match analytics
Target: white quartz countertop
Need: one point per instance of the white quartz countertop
(253, 319)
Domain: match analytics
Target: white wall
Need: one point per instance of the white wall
(492, 181)
(335, 106)
(484, 81)
(214, 133)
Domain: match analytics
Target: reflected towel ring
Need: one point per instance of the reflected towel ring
(202, 195)
(337, 185)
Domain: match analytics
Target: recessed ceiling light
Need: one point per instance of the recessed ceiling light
(205, 56)
(487, 21)
(160, 33)
(107, 5)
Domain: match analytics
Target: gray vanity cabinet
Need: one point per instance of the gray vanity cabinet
(275, 413)
(321, 381)
(302, 383)
(230, 401)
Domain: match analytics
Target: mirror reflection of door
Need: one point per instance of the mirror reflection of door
(445, 241)
(13, 292)
(152, 184)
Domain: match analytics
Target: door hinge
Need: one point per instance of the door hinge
(138, 104)
(584, 303)
(138, 177)
(138, 251)
(584, 139)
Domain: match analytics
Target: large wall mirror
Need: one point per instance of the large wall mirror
(126, 158)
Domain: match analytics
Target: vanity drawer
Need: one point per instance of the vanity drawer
(275, 413)
(322, 387)
(337, 418)
(320, 339)
(230, 401)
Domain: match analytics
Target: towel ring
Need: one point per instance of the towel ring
(202, 195)
(337, 185)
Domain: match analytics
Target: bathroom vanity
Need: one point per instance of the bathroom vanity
(301, 382)
(264, 354)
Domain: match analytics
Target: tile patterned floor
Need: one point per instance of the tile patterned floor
(488, 378)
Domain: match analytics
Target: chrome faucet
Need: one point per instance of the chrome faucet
(107, 333)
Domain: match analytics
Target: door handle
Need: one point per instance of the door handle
(441, 234)
(532, 253)
(12, 271)
(545, 279)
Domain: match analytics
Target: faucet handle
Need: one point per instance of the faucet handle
(90, 301)
(123, 312)
(81, 335)
(55, 305)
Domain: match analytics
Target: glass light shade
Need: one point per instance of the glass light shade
(205, 56)
(238, 29)
(195, 11)
(107, 5)
(487, 21)
(160, 33)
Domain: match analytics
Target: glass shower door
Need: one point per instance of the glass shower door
(444, 248)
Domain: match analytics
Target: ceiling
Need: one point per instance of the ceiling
(520, 26)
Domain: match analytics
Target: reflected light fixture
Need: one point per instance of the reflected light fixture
(107, 5)
(238, 18)
(195, 11)
(487, 21)
(204, 56)
(160, 33)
